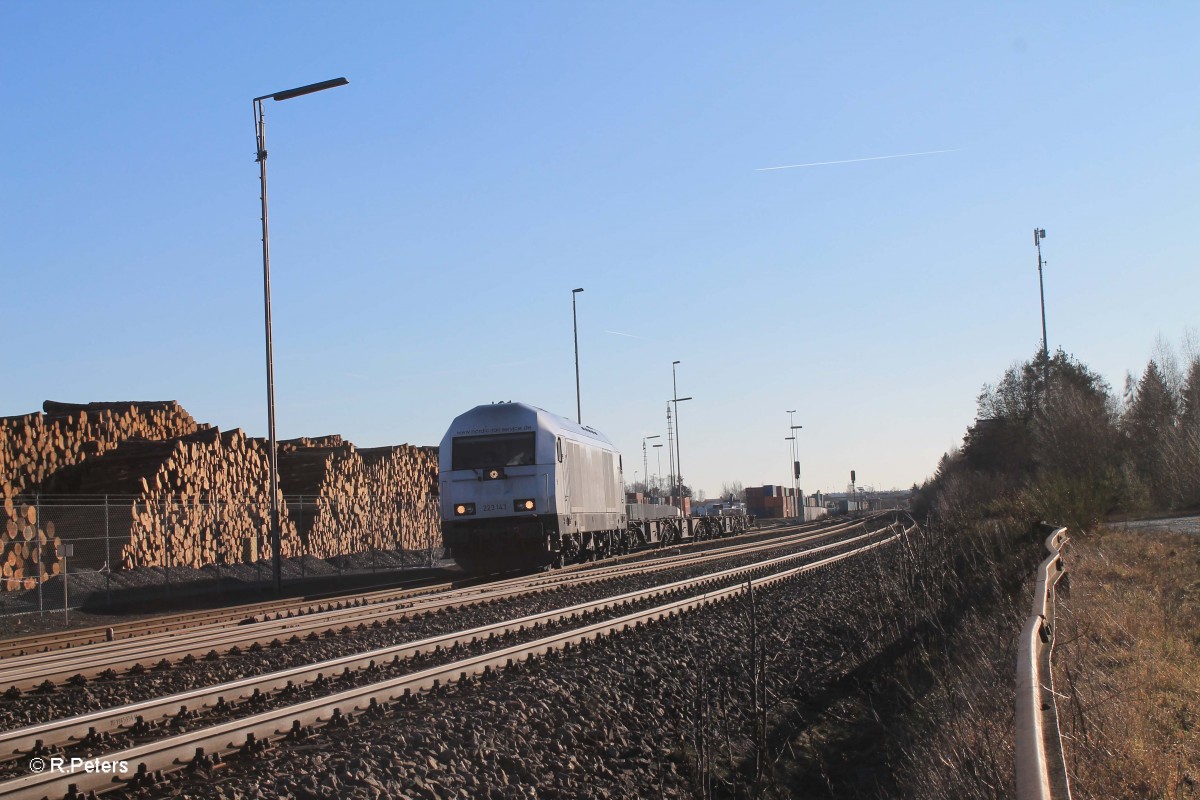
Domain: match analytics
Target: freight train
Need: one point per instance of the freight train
(522, 487)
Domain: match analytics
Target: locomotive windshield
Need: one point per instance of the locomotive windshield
(500, 450)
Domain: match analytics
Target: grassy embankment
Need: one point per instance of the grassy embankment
(1127, 665)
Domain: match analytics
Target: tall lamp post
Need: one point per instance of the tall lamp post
(1038, 235)
(796, 466)
(792, 466)
(659, 448)
(645, 458)
(676, 399)
(260, 133)
(575, 325)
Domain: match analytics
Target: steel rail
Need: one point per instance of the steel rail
(233, 615)
(62, 732)
(29, 672)
(415, 602)
(35, 644)
(178, 751)
(1041, 767)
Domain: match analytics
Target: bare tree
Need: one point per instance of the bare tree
(732, 491)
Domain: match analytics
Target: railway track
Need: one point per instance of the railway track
(228, 615)
(279, 609)
(44, 670)
(97, 724)
(201, 747)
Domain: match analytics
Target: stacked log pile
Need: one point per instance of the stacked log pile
(182, 493)
(21, 541)
(196, 499)
(304, 442)
(408, 510)
(35, 446)
(352, 500)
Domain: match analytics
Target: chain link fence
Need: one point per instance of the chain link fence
(111, 553)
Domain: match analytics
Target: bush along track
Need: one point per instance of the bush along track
(927, 712)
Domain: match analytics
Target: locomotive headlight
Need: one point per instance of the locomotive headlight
(524, 505)
(464, 509)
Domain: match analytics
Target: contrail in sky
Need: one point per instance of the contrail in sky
(855, 160)
(630, 335)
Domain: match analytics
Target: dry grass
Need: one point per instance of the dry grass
(1127, 663)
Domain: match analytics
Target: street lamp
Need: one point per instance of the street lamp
(645, 460)
(260, 133)
(575, 325)
(796, 465)
(676, 399)
(791, 466)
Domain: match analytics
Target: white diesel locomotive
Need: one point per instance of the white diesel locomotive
(523, 487)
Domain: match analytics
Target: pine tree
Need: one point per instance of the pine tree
(1186, 461)
(1150, 430)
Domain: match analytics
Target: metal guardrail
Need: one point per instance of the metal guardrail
(1040, 765)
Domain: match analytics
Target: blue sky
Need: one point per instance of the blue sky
(429, 220)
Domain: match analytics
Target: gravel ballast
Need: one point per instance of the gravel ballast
(121, 689)
(651, 712)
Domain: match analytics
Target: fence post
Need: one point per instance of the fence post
(304, 541)
(428, 547)
(258, 552)
(37, 536)
(166, 550)
(220, 555)
(374, 524)
(107, 559)
(66, 551)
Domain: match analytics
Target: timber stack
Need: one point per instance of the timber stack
(352, 500)
(188, 501)
(35, 446)
(181, 493)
